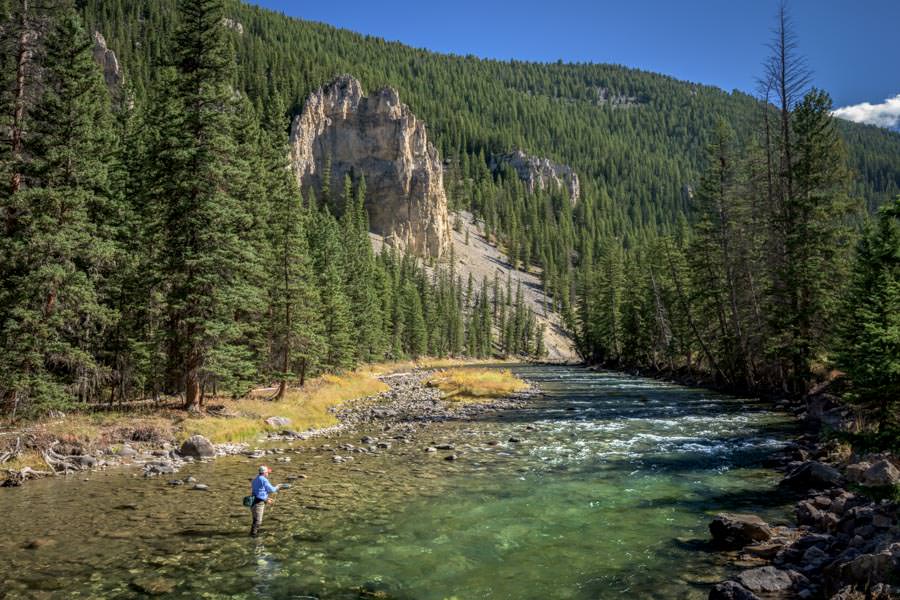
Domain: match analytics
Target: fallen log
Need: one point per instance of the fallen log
(16, 478)
(8, 455)
(61, 463)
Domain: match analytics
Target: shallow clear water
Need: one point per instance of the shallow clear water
(607, 495)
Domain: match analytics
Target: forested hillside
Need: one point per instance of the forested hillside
(184, 256)
(163, 247)
(638, 136)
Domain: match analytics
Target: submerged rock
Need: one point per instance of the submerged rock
(730, 530)
(153, 586)
(731, 590)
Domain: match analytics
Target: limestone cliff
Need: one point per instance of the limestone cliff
(107, 60)
(540, 173)
(378, 137)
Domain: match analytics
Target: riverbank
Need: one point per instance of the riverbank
(597, 488)
(845, 541)
(161, 439)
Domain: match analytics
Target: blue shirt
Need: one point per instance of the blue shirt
(261, 487)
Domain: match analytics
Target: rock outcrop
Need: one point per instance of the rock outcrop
(106, 58)
(234, 25)
(378, 137)
(540, 173)
(731, 530)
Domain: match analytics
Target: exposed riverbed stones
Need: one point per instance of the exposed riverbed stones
(846, 546)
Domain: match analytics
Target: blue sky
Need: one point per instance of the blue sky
(853, 47)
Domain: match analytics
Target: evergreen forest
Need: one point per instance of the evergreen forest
(155, 243)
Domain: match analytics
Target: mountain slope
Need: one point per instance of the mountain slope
(634, 137)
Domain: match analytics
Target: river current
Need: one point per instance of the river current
(602, 488)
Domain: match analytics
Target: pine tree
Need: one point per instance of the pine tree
(869, 347)
(294, 329)
(811, 231)
(54, 256)
(360, 274)
(204, 262)
(414, 328)
(335, 311)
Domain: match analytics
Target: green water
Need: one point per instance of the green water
(607, 495)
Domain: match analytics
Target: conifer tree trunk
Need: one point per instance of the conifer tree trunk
(23, 58)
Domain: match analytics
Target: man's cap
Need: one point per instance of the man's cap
(263, 469)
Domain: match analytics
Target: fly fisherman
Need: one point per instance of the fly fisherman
(260, 489)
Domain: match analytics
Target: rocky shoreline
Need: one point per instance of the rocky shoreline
(845, 544)
(408, 405)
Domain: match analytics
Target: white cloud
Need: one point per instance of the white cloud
(886, 114)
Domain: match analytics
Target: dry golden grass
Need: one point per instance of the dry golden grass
(307, 408)
(476, 385)
(30, 459)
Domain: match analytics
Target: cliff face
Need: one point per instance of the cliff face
(107, 60)
(378, 137)
(540, 173)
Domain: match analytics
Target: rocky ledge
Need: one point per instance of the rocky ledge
(845, 544)
(342, 131)
(540, 173)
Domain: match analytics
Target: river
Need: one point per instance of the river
(606, 494)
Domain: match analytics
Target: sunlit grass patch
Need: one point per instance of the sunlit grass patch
(27, 459)
(476, 385)
(307, 408)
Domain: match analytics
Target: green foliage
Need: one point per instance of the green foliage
(164, 248)
(57, 248)
(869, 348)
(747, 296)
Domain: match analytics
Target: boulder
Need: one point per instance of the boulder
(814, 557)
(882, 473)
(769, 580)
(86, 461)
(730, 530)
(197, 446)
(277, 422)
(126, 451)
(731, 590)
(869, 569)
(812, 474)
(854, 473)
(342, 131)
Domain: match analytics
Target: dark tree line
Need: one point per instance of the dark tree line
(166, 248)
(767, 289)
